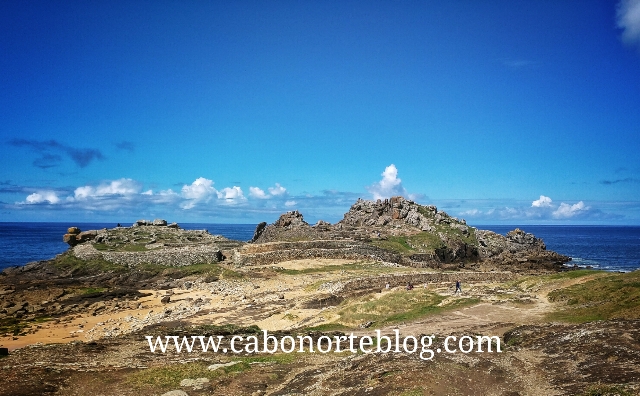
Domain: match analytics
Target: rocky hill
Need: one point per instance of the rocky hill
(400, 231)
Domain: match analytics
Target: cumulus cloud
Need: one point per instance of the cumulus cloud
(290, 203)
(115, 187)
(628, 19)
(48, 151)
(566, 211)
(201, 190)
(389, 186)
(543, 202)
(277, 190)
(542, 209)
(43, 196)
(231, 195)
(257, 192)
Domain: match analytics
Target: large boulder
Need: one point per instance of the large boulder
(74, 239)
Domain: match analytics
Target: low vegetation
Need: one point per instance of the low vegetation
(397, 306)
(169, 376)
(606, 297)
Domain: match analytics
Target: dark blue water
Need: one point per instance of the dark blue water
(21, 243)
(603, 247)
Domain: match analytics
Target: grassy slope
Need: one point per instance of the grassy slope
(606, 297)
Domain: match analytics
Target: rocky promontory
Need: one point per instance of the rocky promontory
(401, 231)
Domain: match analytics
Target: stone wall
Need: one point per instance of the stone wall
(379, 282)
(175, 257)
(272, 253)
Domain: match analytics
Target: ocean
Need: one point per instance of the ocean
(610, 248)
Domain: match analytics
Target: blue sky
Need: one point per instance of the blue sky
(520, 112)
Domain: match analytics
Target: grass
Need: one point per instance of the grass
(398, 306)
(530, 282)
(127, 247)
(606, 390)
(68, 262)
(211, 271)
(91, 290)
(425, 242)
(324, 268)
(169, 376)
(606, 297)
(14, 326)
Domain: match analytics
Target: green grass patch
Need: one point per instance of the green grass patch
(426, 242)
(397, 306)
(91, 290)
(324, 268)
(413, 392)
(68, 262)
(15, 326)
(211, 271)
(606, 297)
(606, 390)
(529, 282)
(169, 376)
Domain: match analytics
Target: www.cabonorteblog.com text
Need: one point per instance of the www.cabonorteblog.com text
(378, 343)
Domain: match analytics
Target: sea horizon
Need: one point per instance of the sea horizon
(606, 247)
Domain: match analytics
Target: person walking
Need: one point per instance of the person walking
(458, 288)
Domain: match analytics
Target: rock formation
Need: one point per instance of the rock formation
(400, 231)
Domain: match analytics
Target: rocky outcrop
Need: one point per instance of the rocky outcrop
(409, 233)
(156, 222)
(74, 236)
(150, 242)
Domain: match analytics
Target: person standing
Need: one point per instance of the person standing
(458, 288)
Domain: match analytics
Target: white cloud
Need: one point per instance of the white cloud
(566, 211)
(201, 190)
(543, 202)
(628, 19)
(43, 196)
(277, 190)
(231, 195)
(389, 186)
(115, 187)
(257, 192)
(290, 203)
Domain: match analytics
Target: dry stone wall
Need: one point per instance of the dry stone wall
(175, 257)
(380, 282)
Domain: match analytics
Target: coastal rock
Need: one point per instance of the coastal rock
(159, 222)
(409, 233)
(259, 228)
(74, 239)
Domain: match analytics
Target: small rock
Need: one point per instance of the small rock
(165, 299)
(197, 383)
(220, 365)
